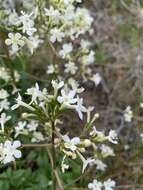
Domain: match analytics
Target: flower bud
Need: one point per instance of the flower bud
(87, 142)
(82, 149)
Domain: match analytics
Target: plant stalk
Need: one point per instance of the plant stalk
(53, 156)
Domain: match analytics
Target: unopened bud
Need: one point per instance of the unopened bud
(87, 142)
(57, 141)
(82, 149)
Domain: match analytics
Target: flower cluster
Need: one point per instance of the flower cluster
(62, 23)
(46, 106)
(63, 28)
(106, 185)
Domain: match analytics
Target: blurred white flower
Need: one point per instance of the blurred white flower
(4, 74)
(27, 23)
(109, 184)
(141, 104)
(80, 108)
(75, 85)
(95, 185)
(96, 79)
(3, 94)
(3, 119)
(128, 114)
(66, 50)
(16, 40)
(52, 69)
(32, 126)
(19, 102)
(67, 99)
(4, 105)
(100, 165)
(56, 35)
(10, 151)
(37, 137)
(35, 92)
(70, 68)
(71, 144)
(87, 162)
(106, 151)
(112, 137)
(54, 14)
(57, 85)
(20, 129)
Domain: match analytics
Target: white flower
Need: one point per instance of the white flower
(98, 134)
(35, 92)
(10, 151)
(85, 44)
(95, 185)
(16, 41)
(141, 135)
(87, 162)
(19, 102)
(54, 14)
(75, 86)
(67, 99)
(141, 104)
(109, 184)
(32, 126)
(88, 59)
(80, 108)
(20, 128)
(63, 165)
(71, 144)
(66, 2)
(3, 94)
(57, 85)
(4, 74)
(33, 43)
(27, 23)
(4, 105)
(51, 69)
(112, 137)
(66, 50)
(128, 114)
(91, 57)
(17, 76)
(56, 35)
(106, 151)
(68, 16)
(37, 137)
(70, 68)
(100, 165)
(96, 79)
(3, 119)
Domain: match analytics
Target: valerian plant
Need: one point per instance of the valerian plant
(64, 26)
(47, 109)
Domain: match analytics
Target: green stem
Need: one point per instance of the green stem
(53, 156)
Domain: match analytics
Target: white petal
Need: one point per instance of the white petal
(72, 93)
(16, 144)
(17, 154)
(10, 35)
(14, 107)
(18, 35)
(76, 140)
(66, 138)
(8, 42)
(60, 99)
(7, 143)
